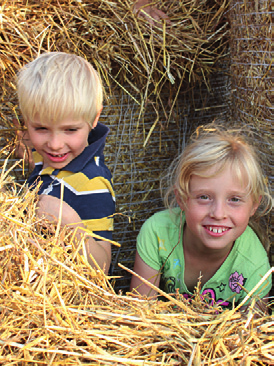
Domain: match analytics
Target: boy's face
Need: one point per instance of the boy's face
(217, 211)
(58, 143)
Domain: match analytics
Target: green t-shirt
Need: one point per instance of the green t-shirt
(158, 246)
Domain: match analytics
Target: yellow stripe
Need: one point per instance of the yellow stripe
(81, 183)
(49, 170)
(38, 159)
(104, 224)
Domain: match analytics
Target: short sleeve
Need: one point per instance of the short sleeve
(93, 200)
(255, 277)
(95, 204)
(245, 266)
(148, 244)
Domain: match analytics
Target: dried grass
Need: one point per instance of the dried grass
(147, 113)
(126, 51)
(56, 310)
(252, 79)
(251, 61)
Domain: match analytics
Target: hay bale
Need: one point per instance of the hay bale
(251, 61)
(160, 84)
(251, 81)
(55, 309)
(123, 48)
(137, 155)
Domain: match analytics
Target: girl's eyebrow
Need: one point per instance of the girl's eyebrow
(210, 190)
(203, 189)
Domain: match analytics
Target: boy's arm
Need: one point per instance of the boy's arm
(49, 207)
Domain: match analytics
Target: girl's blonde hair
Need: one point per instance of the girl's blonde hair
(57, 85)
(213, 146)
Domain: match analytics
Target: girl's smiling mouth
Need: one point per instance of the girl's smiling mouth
(217, 229)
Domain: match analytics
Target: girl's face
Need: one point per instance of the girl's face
(217, 211)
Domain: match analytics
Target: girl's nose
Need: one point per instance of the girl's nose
(218, 210)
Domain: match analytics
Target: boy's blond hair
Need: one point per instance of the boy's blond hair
(58, 85)
(214, 146)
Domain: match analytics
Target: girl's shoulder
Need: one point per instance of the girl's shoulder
(250, 237)
(163, 225)
(166, 218)
(249, 246)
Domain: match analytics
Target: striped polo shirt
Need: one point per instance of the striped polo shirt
(87, 183)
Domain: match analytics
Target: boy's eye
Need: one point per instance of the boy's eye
(40, 128)
(71, 129)
(235, 199)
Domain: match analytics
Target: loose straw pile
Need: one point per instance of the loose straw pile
(56, 310)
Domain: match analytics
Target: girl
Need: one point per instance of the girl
(216, 185)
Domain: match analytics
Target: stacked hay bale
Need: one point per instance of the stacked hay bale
(160, 84)
(122, 47)
(251, 79)
(55, 309)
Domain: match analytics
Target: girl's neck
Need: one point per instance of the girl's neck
(201, 261)
(198, 250)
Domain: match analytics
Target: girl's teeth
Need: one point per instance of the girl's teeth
(216, 230)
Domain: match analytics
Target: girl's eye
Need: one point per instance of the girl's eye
(203, 197)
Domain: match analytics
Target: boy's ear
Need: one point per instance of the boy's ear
(18, 124)
(94, 124)
(179, 199)
(22, 133)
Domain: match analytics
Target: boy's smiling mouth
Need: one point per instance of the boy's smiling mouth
(57, 158)
(57, 155)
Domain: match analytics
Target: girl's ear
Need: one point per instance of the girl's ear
(179, 199)
(255, 206)
(94, 124)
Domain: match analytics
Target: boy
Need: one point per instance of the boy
(60, 97)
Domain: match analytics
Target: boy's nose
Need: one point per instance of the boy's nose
(218, 210)
(55, 142)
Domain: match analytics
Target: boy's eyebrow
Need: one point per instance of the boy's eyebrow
(36, 123)
(70, 126)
